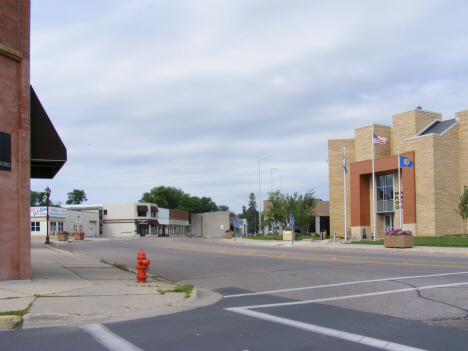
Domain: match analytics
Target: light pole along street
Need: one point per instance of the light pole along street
(47, 192)
(259, 197)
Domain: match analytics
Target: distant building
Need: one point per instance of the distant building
(130, 219)
(430, 190)
(214, 224)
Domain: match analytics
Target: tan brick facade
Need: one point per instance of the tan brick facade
(15, 238)
(436, 182)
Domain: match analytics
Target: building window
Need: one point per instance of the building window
(77, 227)
(60, 226)
(141, 213)
(53, 226)
(153, 214)
(35, 226)
(384, 188)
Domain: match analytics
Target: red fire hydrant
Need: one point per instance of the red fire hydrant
(142, 267)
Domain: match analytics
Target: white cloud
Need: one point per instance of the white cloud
(190, 94)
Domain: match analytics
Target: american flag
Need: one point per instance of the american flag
(376, 139)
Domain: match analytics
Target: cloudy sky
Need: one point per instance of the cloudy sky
(191, 93)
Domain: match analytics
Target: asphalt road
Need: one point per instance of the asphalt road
(283, 299)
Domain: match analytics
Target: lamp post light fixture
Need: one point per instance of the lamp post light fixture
(259, 197)
(47, 192)
(272, 168)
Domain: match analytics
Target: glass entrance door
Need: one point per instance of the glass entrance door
(388, 222)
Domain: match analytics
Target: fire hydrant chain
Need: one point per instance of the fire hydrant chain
(142, 267)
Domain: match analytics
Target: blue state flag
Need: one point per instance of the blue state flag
(344, 164)
(405, 162)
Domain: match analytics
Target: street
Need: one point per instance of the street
(283, 298)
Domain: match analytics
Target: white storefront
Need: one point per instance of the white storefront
(63, 219)
(57, 218)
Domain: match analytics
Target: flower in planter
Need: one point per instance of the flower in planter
(78, 233)
(63, 232)
(398, 232)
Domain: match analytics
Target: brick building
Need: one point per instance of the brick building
(430, 190)
(29, 144)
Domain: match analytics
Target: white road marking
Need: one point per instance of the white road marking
(377, 343)
(355, 296)
(342, 284)
(110, 340)
(382, 344)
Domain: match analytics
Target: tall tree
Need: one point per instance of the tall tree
(223, 208)
(463, 208)
(252, 215)
(76, 197)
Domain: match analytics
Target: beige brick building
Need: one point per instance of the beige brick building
(430, 191)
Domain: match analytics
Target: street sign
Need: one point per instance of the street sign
(292, 221)
(235, 224)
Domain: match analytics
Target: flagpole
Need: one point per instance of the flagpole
(373, 185)
(399, 189)
(344, 176)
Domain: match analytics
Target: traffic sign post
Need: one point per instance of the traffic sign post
(292, 231)
(235, 230)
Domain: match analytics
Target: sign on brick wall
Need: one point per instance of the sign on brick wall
(5, 152)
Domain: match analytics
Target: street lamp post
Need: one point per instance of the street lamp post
(282, 182)
(272, 168)
(243, 211)
(259, 197)
(47, 192)
(201, 226)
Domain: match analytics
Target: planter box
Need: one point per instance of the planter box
(228, 235)
(287, 235)
(399, 241)
(62, 237)
(78, 237)
(189, 235)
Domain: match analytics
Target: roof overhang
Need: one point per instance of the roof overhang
(48, 153)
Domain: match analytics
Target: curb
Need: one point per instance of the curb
(9, 322)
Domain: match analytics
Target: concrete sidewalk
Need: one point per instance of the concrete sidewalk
(338, 245)
(70, 289)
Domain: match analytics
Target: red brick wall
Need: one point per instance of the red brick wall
(15, 237)
(181, 215)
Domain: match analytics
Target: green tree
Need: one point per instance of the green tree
(302, 207)
(76, 197)
(276, 213)
(175, 199)
(223, 208)
(38, 198)
(166, 197)
(463, 208)
(252, 215)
